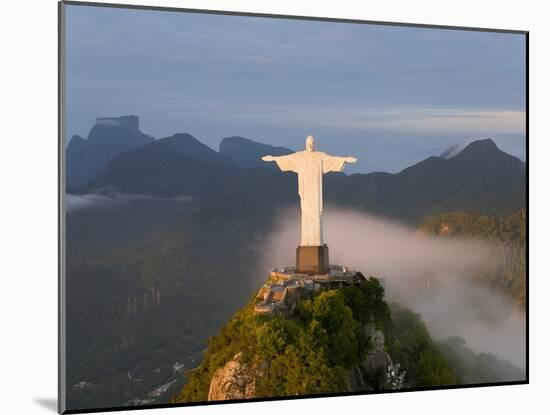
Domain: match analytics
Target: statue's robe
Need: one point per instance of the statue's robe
(310, 167)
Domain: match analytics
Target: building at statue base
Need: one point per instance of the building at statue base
(286, 287)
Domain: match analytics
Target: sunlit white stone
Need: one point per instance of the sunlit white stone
(310, 165)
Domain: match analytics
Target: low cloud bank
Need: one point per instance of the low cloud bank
(430, 275)
(112, 199)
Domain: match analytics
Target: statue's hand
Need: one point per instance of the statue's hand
(268, 158)
(351, 159)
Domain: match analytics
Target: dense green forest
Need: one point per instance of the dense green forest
(509, 229)
(313, 350)
(506, 233)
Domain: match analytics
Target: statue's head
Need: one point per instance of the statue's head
(310, 144)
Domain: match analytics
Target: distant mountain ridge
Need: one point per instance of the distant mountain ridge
(480, 178)
(179, 163)
(109, 137)
(247, 153)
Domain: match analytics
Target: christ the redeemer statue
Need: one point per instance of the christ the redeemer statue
(310, 165)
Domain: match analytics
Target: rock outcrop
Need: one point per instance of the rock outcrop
(376, 359)
(375, 364)
(236, 380)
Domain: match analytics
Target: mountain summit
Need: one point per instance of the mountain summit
(480, 178)
(182, 144)
(109, 137)
(179, 164)
(247, 153)
(484, 147)
(486, 151)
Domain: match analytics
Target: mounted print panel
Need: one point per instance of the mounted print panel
(259, 207)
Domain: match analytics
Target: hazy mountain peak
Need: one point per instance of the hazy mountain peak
(171, 147)
(109, 137)
(186, 143)
(184, 137)
(486, 145)
(247, 153)
(122, 130)
(125, 121)
(485, 151)
(237, 139)
(76, 142)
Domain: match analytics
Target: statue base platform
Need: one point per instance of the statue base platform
(312, 260)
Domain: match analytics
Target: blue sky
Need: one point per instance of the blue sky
(389, 95)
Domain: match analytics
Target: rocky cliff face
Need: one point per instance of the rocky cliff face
(235, 380)
(374, 363)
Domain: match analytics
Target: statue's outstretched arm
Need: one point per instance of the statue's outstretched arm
(335, 163)
(285, 163)
(277, 158)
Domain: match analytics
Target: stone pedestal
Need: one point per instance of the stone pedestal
(312, 260)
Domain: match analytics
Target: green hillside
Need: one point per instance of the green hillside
(506, 233)
(315, 349)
